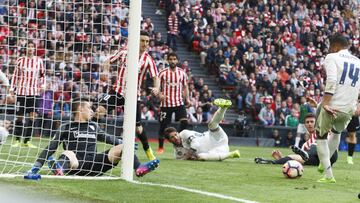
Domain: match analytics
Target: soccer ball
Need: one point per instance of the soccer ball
(292, 169)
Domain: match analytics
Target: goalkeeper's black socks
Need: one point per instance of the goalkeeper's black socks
(18, 129)
(161, 142)
(351, 147)
(28, 130)
(144, 140)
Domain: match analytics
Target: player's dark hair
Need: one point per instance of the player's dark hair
(144, 33)
(173, 55)
(76, 103)
(339, 40)
(309, 115)
(169, 130)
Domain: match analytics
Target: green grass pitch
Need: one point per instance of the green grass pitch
(240, 178)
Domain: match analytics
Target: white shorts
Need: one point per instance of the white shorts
(301, 129)
(219, 141)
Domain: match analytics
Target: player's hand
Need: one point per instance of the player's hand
(330, 110)
(187, 102)
(162, 97)
(311, 102)
(155, 91)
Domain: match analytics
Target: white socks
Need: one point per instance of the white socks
(324, 156)
(334, 141)
(216, 119)
(297, 140)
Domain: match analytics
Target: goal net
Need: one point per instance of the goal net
(53, 53)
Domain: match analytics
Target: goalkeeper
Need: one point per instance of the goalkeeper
(211, 145)
(80, 156)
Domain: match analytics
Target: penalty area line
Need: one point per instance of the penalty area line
(211, 194)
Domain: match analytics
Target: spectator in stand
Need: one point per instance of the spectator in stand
(146, 114)
(277, 138)
(281, 114)
(289, 141)
(173, 32)
(266, 115)
(198, 116)
(252, 102)
(292, 119)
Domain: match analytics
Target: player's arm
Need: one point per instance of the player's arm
(186, 91)
(102, 136)
(42, 76)
(154, 74)
(112, 59)
(331, 82)
(191, 141)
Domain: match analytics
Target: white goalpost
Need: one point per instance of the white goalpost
(131, 90)
(73, 39)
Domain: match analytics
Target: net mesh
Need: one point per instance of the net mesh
(72, 39)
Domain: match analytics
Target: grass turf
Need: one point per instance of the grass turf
(240, 178)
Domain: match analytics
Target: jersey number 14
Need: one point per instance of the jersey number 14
(353, 74)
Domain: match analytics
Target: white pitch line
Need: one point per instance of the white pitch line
(211, 194)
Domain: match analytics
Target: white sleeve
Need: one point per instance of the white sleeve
(189, 140)
(331, 73)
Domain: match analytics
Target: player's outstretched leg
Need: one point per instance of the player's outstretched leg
(219, 114)
(260, 160)
(55, 167)
(147, 167)
(304, 155)
(140, 133)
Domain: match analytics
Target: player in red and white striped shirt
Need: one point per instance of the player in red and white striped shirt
(173, 90)
(117, 96)
(307, 155)
(28, 82)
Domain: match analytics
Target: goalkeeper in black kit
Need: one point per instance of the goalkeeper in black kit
(80, 156)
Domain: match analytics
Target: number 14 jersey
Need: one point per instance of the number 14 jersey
(343, 72)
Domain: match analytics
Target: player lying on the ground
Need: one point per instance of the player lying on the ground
(80, 156)
(210, 145)
(307, 155)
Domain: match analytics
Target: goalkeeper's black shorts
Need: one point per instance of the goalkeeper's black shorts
(96, 167)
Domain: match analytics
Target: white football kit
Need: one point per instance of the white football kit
(343, 72)
(208, 145)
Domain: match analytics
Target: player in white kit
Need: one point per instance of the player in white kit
(209, 145)
(339, 101)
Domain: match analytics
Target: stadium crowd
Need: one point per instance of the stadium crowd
(271, 52)
(75, 39)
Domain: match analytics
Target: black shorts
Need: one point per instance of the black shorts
(166, 113)
(113, 99)
(96, 167)
(314, 159)
(353, 126)
(25, 104)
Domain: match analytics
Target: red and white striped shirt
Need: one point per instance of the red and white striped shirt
(28, 77)
(309, 142)
(171, 86)
(147, 65)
